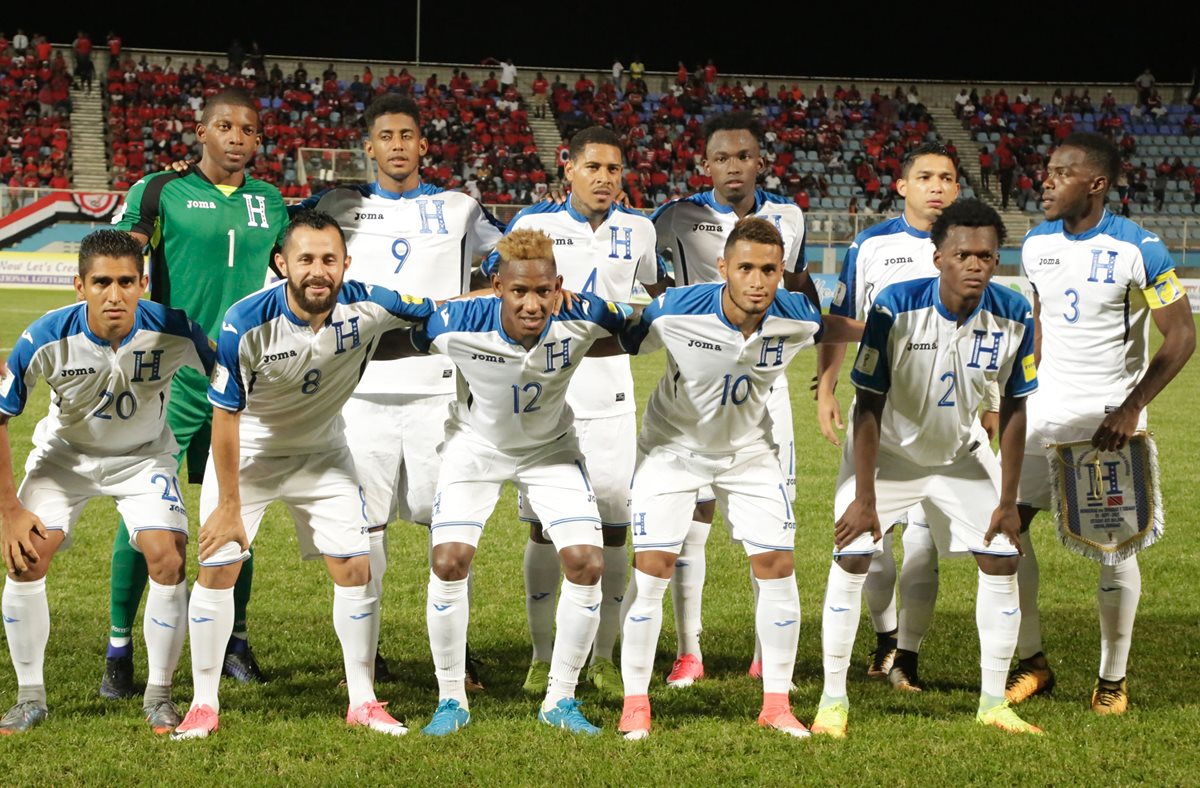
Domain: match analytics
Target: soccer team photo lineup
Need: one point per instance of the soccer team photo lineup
(382, 354)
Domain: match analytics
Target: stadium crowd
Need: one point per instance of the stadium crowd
(35, 113)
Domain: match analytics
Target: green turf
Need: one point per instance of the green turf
(291, 730)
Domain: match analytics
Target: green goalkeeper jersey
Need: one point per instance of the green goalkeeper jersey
(208, 248)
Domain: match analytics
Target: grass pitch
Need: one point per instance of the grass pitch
(291, 730)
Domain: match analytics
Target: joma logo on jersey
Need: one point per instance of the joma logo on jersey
(705, 227)
(897, 261)
(1049, 261)
(202, 204)
(703, 345)
(921, 346)
(362, 215)
(269, 357)
(563, 242)
(71, 373)
(487, 357)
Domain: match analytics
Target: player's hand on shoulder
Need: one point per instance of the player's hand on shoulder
(223, 526)
(859, 518)
(570, 300)
(180, 166)
(17, 526)
(557, 195)
(1007, 521)
(829, 416)
(1116, 429)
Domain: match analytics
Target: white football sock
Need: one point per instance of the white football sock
(757, 641)
(446, 614)
(612, 589)
(687, 589)
(1029, 641)
(356, 621)
(918, 586)
(27, 627)
(575, 630)
(879, 590)
(639, 632)
(210, 612)
(839, 625)
(1118, 593)
(998, 618)
(379, 560)
(164, 626)
(541, 584)
(777, 622)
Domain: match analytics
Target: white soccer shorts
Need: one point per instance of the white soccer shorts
(320, 490)
(58, 485)
(553, 478)
(395, 441)
(965, 493)
(610, 446)
(749, 487)
(779, 410)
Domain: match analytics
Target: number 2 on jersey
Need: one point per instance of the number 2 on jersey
(947, 400)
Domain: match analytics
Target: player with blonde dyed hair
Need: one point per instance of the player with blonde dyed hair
(525, 245)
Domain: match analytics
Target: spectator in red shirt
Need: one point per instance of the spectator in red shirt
(114, 45)
(681, 76)
(985, 167)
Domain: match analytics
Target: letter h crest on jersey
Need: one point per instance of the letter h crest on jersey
(552, 354)
(1108, 266)
(771, 353)
(256, 210)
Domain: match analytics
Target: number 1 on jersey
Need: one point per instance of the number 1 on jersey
(230, 247)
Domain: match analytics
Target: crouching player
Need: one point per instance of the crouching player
(110, 360)
(706, 424)
(288, 358)
(929, 351)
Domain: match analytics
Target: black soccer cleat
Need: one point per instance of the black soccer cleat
(240, 664)
(117, 683)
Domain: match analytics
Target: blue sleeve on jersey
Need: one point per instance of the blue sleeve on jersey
(846, 284)
(403, 306)
(873, 366)
(1022, 378)
(307, 203)
(801, 258)
(609, 315)
(225, 390)
(490, 263)
(1156, 258)
(15, 385)
(464, 315)
(204, 347)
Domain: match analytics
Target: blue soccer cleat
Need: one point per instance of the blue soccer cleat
(449, 718)
(566, 715)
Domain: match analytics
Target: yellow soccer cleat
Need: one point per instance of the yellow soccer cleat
(1110, 697)
(1004, 718)
(831, 720)
(1026, 680)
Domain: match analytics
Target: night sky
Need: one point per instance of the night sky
(1073, 46)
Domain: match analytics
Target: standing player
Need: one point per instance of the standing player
(288, 358)
(599, 248)
(413, 238)
(693, 231)
(706, 425)
(1097, 278)
(897, 250)
(211, 229)
(930, 349)
(109, 360)
(515, 355)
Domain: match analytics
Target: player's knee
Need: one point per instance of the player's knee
(854, 564)
(582, 564)
(354, 571)
(704, 511)
(614, 537)
(449, 562)
(217, 577)
(997, 564)
(772, 565)
(164, 554)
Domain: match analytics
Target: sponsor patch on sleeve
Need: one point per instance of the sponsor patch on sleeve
(220, 378)
(868, 359)
(839, 295)
(1029, 366)
(1163, 291)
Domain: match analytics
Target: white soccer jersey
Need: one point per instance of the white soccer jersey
(890, 252)
(106, 403)
(1095, 291)
(713, 397)
(605, 263)
(291, 381)
(512, 397)
(695, 229)
(935, 372)
(421, 241)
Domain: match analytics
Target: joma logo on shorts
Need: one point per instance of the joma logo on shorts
(202, 204)
(360, 215)
(269, 357)
(921, 346)
(487, 357)
(704, 227)
(703, 345)
(70, 373)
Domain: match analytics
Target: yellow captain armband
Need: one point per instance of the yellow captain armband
(1029, 367)
(1164, 291)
